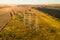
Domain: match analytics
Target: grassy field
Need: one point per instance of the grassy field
(47, 27)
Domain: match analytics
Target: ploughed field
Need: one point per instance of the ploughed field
(29, 23)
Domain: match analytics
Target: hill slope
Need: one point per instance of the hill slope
(31, 24)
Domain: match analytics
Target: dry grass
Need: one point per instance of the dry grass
(48, 27)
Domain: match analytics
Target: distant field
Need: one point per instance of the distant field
(29, 23)
(50, 11)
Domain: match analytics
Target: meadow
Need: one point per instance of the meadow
(31, 24)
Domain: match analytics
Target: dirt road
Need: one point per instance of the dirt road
(5, 15)
(4, 19)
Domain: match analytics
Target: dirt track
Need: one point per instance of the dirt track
(4, 19)
(5, 15)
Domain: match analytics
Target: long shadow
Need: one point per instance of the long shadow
(52, 12)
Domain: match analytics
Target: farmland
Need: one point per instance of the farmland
(29, 23)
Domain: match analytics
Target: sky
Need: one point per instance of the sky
(29, 1)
